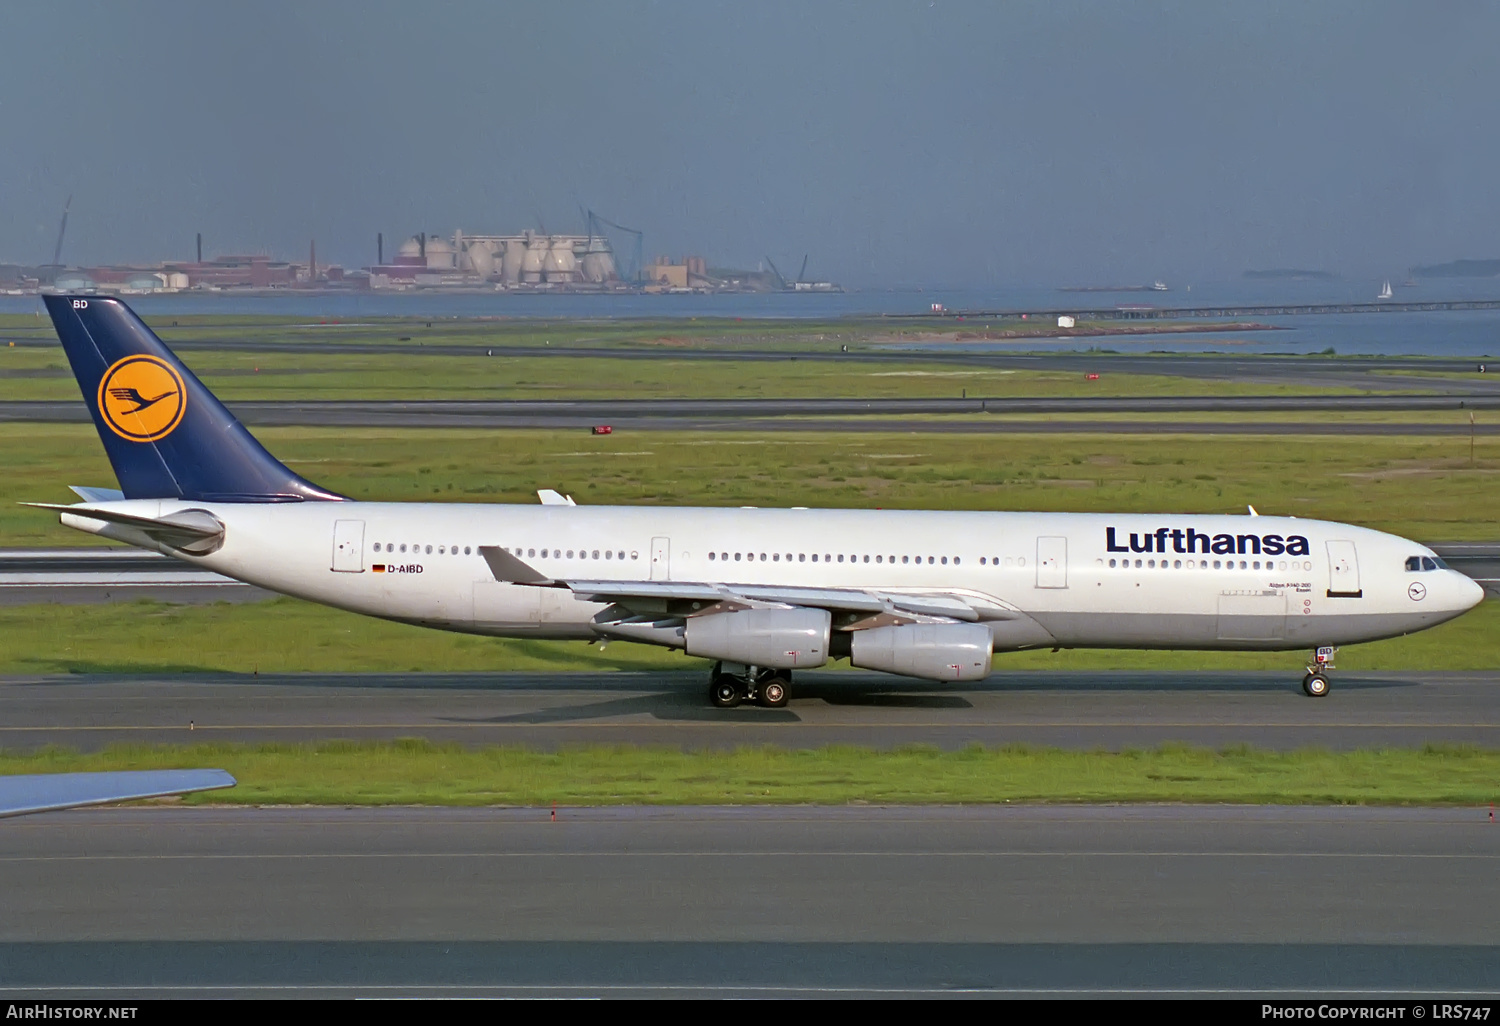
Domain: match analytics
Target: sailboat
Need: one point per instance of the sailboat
(1385, 291)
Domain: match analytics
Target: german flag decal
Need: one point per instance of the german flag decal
(378, 568)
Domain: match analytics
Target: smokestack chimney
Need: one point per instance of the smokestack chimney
(312, 262)
(200, 247)
(379, 248)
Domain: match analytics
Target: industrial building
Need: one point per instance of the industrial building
(528, 261)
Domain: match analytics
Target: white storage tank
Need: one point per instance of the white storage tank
(479, 258)
(562, 265)
(535, 262)
(597, 263)
(511, 260)
(440, 255)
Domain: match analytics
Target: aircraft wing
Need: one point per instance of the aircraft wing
(48, 792)
(650, 596)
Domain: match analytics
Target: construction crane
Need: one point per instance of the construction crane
(61, 230)
(632, 271)
(802, 273)
(779, 276)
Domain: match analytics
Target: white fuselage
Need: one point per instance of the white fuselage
(1079, 580)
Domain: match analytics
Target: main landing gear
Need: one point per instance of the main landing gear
(730, 684)
(1315, 684)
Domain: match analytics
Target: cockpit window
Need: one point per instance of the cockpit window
(1415, 564)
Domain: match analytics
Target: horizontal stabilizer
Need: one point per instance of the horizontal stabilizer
(193, 530)
(47, 792)
(97, 494)
(552, 497)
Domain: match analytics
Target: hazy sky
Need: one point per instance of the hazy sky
(980, 143)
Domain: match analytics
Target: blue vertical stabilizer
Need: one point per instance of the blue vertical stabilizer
(166, 435)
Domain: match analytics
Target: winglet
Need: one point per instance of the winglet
(510, 570)
(1252, 510)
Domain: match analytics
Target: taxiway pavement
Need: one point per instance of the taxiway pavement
(981, 415)
(1109, 710)
(847, 901)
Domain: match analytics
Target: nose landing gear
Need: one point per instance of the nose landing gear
(728, 687)
(1316, 684)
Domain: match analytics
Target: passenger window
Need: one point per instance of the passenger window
(1111, 563)
(596, 553)
(981, 561)
(877, 559)
(945, 560)
(570, 553)
(403, 546)
(802, 557)
(530, 552)
(841, 557)
(907, 559)
(466, 550)
(736, 557)
(710, 557)
(867, 559)
(609, 554)
(956, 561)
(1176, 564)
(815, 557)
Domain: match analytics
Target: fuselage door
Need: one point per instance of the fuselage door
(661, 559)
(349, 546)
(1343, 570)
(1051, 562)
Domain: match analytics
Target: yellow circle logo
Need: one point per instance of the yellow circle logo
(142, 398)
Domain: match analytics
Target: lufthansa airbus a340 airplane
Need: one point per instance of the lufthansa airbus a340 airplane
(761, 592)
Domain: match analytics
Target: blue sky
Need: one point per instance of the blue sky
(897, 143)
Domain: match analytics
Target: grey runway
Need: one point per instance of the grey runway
(981, 416)
(810, 901)
(1094, 710)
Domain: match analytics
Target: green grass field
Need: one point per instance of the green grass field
(419, 773)
(31, 373)
(1422, 488)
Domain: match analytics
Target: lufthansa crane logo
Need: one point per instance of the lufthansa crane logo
(142, 398)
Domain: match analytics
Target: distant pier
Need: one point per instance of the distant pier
(1168, 313)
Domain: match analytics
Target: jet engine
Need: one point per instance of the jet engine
(782, 639)
(932, 651)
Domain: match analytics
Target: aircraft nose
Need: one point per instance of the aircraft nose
(1468, 593)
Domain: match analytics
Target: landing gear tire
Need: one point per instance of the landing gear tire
(724, 692)
(1315, 685)
(773, 693)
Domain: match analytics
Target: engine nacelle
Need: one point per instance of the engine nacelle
(782, 639)
(932, 651)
